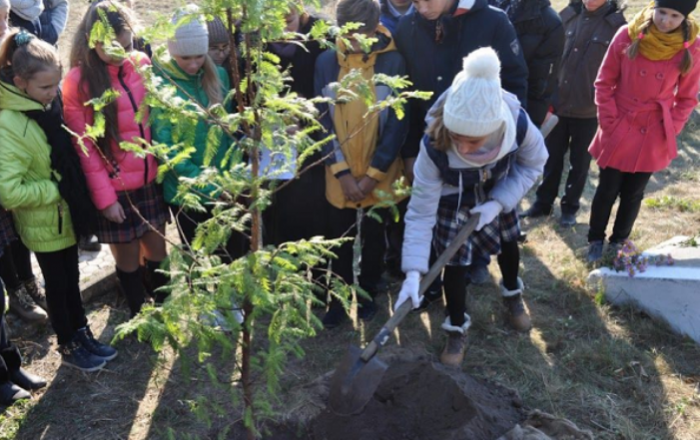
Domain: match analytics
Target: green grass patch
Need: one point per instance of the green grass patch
(673, 203)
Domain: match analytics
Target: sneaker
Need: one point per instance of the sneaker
(613, 248)
(89, 244)
(25, 379)
(367, 309)
(595, 251)
(516, 315)
(567, 220)
(24, 306)
(36, 292)
(85, 338)
(11, 393)
(479, 274)
(536, 211)
(75, 355)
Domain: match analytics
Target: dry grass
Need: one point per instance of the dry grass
(614, 371)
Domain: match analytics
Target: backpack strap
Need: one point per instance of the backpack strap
(521, 127)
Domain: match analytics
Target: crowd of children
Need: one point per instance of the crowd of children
(474, 148)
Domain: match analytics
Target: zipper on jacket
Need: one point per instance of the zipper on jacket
(60, 219)
(136, 109)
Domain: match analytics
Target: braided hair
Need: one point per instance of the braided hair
(686, 62)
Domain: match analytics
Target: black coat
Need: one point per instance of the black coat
(541, 36)
(434, 58)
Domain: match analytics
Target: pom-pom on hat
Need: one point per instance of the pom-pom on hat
(191, 37)
(685, 7)
(474, 105)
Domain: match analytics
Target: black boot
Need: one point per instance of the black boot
(9, 392)
(16, 374)
(157, 280)
(132, 285)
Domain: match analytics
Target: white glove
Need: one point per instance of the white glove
(489, 211)
(409, 289)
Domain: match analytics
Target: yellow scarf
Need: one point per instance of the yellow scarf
(356, 131)
(655, 45)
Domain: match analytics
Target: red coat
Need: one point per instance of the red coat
(134, 172)
(642, 107)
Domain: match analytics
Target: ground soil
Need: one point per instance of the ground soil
(423, 401)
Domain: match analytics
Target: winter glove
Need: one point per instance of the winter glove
(409, 289)
(489, 211)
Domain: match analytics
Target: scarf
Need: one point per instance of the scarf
(656, 45)
(65, 162)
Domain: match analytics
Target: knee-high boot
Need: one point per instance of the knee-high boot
(158, 281)
(132, 285)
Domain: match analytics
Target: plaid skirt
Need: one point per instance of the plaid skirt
(147, 201)
(487, 241)
(7, 230)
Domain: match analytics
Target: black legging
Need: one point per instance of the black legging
(16, 265)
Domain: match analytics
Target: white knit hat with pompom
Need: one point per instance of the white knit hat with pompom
(474, 103)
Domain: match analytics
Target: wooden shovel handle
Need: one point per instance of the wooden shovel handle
(385, 332)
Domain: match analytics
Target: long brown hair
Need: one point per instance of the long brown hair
(437, 130)
(94, 75)
(686, 62)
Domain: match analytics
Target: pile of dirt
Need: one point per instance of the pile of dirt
(425, 400)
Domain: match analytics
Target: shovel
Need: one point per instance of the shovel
(357, 377)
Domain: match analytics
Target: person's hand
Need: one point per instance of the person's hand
(367, 185)
(489, 211)
(409, 290)
(114, 213)
(408, 164)
(350, 188)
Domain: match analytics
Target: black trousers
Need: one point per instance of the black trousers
(62, 276)
(630, 188)
(16, 265)
(342, 223)
(573, 135)
(187, 222)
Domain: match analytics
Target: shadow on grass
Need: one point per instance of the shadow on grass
(100, 406)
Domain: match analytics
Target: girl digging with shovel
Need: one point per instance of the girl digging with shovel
(480, 155)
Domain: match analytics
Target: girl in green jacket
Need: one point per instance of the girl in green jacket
(41, 183)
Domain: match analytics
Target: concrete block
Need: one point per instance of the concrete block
(669, 293)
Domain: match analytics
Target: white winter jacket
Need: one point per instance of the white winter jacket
(428, 187)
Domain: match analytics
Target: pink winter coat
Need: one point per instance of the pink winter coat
(134, 172)
(640, 111)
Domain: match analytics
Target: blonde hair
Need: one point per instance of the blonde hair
(211, 82)
(437, 130)
(686, 62)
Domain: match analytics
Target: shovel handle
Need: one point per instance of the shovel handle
(385, 332)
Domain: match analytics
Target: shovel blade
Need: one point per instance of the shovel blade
(354, 382)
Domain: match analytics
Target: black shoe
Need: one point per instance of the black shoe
(89, 244)
(567, 220)
(75, 355)
(479, 274)
(335, 316)
(11, 393)
(595, 251)
(428, 299)
(536, 211)
(613, 248)
(85, 338)
(27, 380)
(367, 309)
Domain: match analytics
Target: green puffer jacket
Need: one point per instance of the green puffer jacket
(163, 130)
(42, 218)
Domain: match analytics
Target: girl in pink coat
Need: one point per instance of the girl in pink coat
(646, 88)
(122, 184)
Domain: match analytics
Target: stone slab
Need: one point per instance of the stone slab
(669, 293)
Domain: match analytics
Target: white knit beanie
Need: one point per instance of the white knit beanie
(5, 4)
(474, 106)
(192, 37)
(30, 10)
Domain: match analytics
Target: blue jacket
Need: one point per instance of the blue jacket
(434, 50)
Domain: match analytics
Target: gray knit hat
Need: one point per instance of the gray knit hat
(192, 37)
(30, 10)
(5, 4)
(218, 34)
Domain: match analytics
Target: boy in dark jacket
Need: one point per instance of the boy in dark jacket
(364, 156)
(589, 27)
(541, 37)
